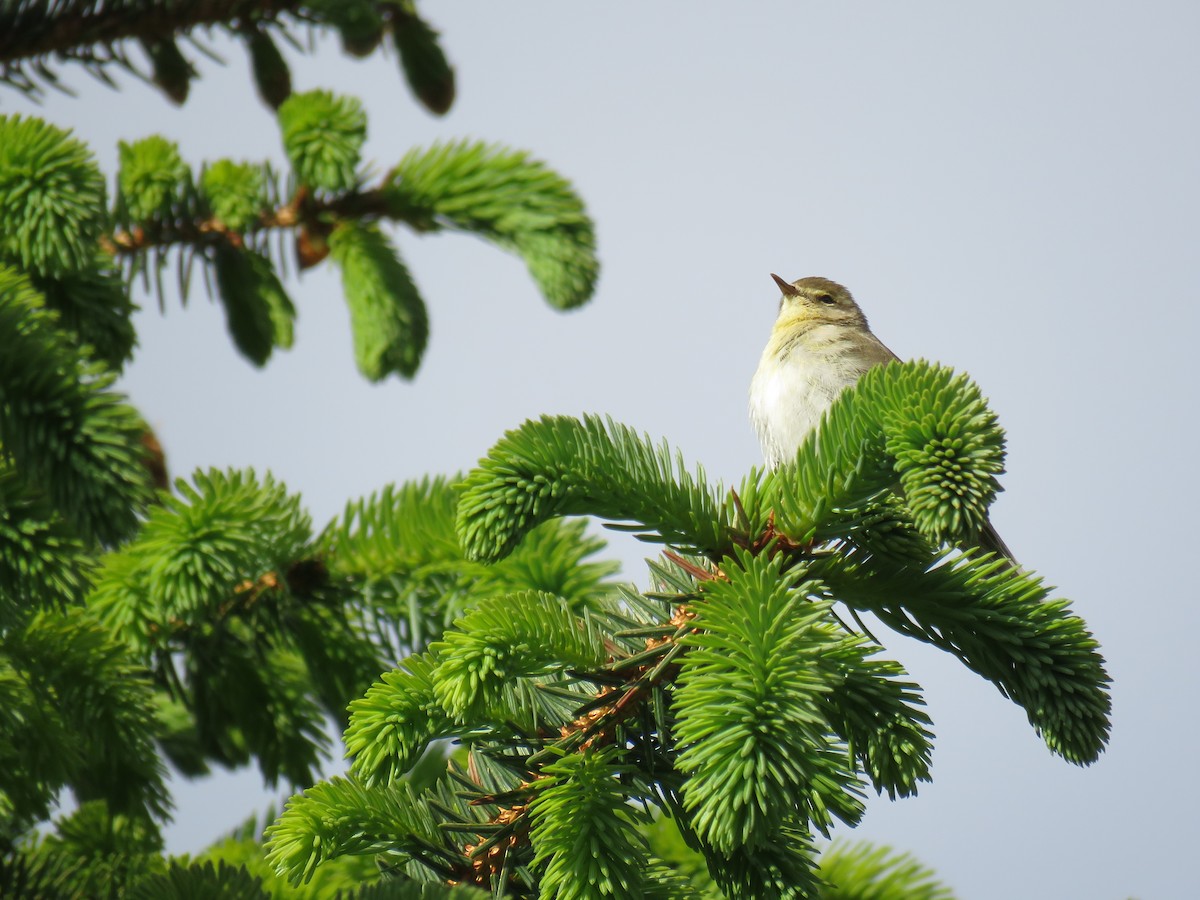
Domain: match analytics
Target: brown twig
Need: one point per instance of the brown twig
(310, 213)
(596, 726)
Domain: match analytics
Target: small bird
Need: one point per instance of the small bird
(821, 344)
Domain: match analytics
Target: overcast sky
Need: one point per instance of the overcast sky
(1009, 188)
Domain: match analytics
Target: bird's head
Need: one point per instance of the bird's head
(816, 301)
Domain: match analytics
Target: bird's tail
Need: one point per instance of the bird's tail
(990, 540)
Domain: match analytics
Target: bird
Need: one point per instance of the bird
(820, 345)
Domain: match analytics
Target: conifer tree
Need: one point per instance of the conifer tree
(538, 728)
(734, 696)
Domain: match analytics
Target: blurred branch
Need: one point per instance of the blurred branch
(304, 210)
(36, 35)
(89, 32)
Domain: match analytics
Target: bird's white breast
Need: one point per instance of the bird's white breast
(795, 384)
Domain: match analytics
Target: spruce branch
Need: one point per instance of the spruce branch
(43, 563)
(750, 656)
(507, 639)
(61, 424)
(221, 596)
(560, 466)
(95, 851)
(393, 724)
(340, 817)
(389, 726)
(403, 889)
(1001, 623)
(400, 715)
(880, 719)
(78, 714)
(863, 871)
(51, 198)
(782, 868)
(398, 550)
(33, 30)
(182, 881)
(94, 308)
(406, 529)
(583, 831)
(387, 315)
(30, 876)
(749, 702)
(500, 194)
(508, 198)
(913, 423)
(213, 540)
(226, 217)
(630, 684)
(36, 37)
(195, 224)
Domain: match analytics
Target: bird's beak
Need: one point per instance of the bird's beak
(788, 289)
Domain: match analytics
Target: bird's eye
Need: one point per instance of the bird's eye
(826, 299)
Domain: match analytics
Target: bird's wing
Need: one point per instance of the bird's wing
(881, 350)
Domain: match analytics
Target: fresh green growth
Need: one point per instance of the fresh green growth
(153, 177)
(749, 703)
(731, 697)
(508, 198)
(387, 315)
(51, 198)
(229, 219)
(323, 135)
(235, 193)
(559, 466)
(225, 224)
(584, 828)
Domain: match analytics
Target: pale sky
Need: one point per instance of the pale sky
(1011, 189)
